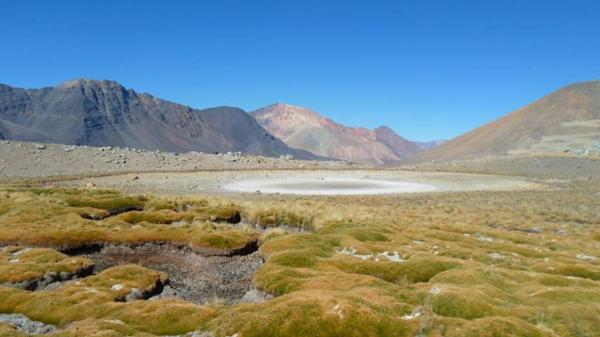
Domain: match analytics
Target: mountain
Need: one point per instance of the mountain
(430, 145)
(401, 147)
(305, 129)
(104, 113)
(567, 120)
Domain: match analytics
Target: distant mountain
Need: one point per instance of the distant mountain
(567, 120)
(104, 113)
(401, 147)
(430, 145)
(305, 129)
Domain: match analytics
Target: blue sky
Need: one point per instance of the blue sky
(428, 69)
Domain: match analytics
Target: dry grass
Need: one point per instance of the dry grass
(470, 264)
(19, 265)
(63, 219)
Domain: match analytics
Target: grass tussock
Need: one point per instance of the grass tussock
(65, 219)
(114, 204)
(269, 218)
(121, 280)
(18, 264)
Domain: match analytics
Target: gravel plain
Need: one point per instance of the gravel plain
(26, 160)
(135, 170)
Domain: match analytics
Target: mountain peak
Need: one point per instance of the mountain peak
(84, 82)
(581, 87)
(584, 84)
(286, 108)
(288, 114)
(305, 129)
(384, 128)
(283, 105)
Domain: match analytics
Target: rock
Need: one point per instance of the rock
(48, 278)
(24, 324)
(40, 146)
(199, 334)
(167, 292)
(418, 311)
(255, 296)
(117, 287)
(497, 256)
(482, 237)
(532, 230)
(585, 257)
(435, 290)
(392, 256)
(195, 334)
(134, 295)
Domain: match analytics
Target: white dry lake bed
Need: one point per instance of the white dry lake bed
(304, 182)
(326, 185)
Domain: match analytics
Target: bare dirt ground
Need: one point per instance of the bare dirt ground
(193, 277)
(25, 160)
(561, 167)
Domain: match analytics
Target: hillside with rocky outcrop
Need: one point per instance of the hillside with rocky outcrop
(104, 113)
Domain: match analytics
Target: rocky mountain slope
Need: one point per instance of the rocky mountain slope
(566, 121)
(305, 129)
(104, 113)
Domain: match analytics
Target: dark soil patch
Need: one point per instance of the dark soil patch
(192, 277)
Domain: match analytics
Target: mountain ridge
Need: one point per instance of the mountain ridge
(566, 120)
(105, 113)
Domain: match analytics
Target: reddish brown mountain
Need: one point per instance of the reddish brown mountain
(304, 129)
(567, 120)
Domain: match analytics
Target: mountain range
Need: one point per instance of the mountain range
(305, 129)
(567, 120)
(104, 113)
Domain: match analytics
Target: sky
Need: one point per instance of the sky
(428, 69)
